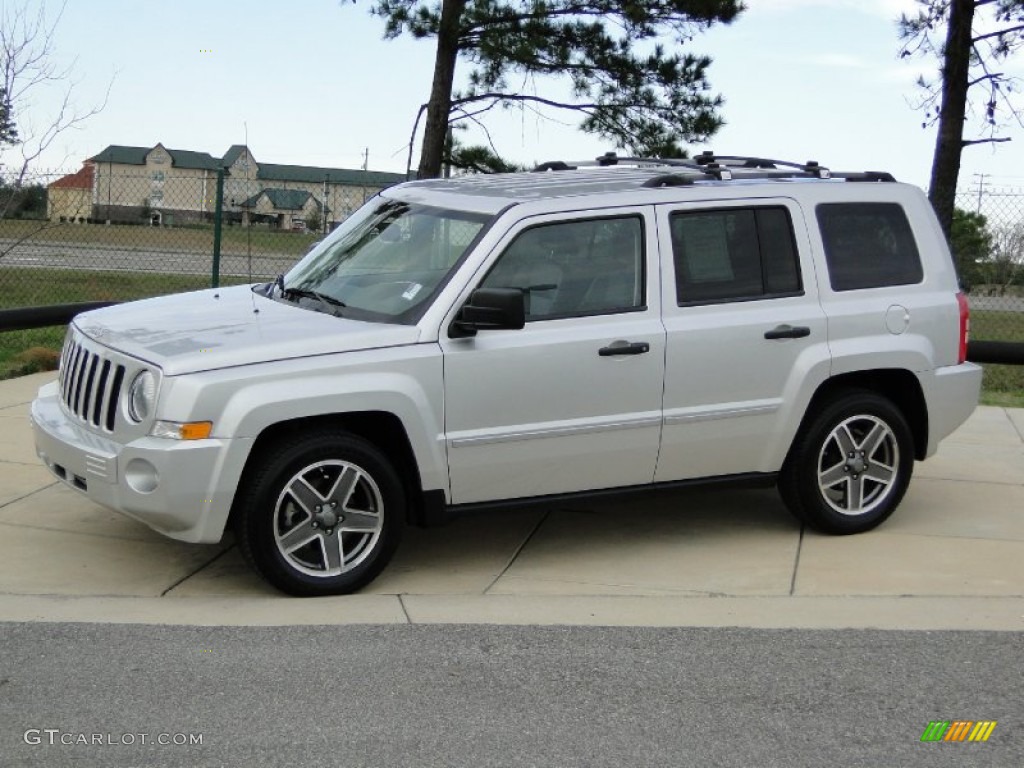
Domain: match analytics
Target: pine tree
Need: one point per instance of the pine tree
(8, 130)
(627, 84)
(979, 35)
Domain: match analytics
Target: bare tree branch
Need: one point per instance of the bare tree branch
(472, 118)
(992, 140)
(999, 33)
(28, 69)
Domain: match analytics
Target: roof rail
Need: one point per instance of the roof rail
(811, 167)
(609, 159)
(721, 167)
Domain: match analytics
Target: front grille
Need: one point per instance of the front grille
(90, 384)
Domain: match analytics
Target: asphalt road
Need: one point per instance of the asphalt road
(1002, 303)
(93, 257)
(503, 696)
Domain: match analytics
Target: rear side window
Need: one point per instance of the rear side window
(734, 254)
(868, 245)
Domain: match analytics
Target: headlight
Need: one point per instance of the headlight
(141, 396)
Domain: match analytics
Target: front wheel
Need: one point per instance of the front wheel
(850, 465)
(321, 514)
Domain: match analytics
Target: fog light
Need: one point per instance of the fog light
(141, 476)
(190, 430)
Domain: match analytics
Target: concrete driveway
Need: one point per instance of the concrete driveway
(952, 556)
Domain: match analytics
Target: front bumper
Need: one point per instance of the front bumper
(174, 487)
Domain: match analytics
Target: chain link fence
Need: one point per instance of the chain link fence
(96, 236)
(107, 233)
(988, 245)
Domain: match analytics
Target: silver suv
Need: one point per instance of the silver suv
(489, 341)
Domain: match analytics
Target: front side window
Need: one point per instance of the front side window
(385, 261)
(868, 245)
(734, 254)
(575, 268)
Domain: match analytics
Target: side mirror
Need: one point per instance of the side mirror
(491, 309)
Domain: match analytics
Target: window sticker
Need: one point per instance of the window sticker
(411, 291)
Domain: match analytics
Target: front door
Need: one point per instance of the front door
(572, 401)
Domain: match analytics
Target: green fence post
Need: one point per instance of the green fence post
(217, 221)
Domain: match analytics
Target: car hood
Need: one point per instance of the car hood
(221, 328)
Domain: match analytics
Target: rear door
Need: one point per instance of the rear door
(746, 341)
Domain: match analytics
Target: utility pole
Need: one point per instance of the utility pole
(981, 188)
(366, 159)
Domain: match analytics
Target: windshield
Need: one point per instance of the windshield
(385, 261)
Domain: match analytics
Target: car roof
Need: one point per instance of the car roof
(608, 176)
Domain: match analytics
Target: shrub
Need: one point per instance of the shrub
(39, 358)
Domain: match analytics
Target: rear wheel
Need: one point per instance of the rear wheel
(850, 465)
(321, 514)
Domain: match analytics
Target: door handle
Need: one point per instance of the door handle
(624, 348)
(788, 332)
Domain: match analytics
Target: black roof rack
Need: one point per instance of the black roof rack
(866, 176)
(721, 167)
(555, 165)
(668, 180)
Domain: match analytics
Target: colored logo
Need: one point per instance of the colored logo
(958, 730)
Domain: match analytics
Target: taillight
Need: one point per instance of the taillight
(965, 326)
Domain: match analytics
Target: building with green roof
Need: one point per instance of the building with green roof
(170, 186)
(288, 208)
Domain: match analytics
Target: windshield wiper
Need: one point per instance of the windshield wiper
(306, 293)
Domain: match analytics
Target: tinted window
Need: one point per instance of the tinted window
(575, 268)
(738, 253)
(868, 245)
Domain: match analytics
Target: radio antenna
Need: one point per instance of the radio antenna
(248, 188)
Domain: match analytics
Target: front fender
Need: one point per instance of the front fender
(242, 402)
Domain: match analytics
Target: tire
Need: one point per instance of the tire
(320, 514)
(850, 464)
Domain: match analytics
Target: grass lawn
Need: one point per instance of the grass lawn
(25, 352)
(1003, 384)
(989, 325)
(22, 352)
(234, 240)
(67, 285)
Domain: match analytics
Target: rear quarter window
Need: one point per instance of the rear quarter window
(868, 245)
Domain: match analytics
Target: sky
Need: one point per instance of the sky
(313, 82)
